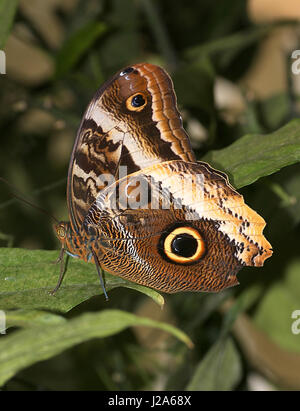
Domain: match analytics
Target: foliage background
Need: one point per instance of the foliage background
(231, 65)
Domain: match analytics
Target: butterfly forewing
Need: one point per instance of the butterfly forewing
(131, 123)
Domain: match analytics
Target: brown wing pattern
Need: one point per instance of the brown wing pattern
(177, 194)
(131, 123)
(186, 228)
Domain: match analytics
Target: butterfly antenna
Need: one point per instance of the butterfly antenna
(22, 199)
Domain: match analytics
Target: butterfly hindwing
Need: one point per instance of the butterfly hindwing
(136, 225)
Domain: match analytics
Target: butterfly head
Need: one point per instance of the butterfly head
(75, 244)
(64, 233)
(61, 230)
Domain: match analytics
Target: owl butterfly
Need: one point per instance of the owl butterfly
(141, 207)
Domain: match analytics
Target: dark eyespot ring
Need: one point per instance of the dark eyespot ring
(136, 102)
(183, 245)
(126, 71)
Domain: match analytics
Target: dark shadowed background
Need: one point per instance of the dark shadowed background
(232, 70)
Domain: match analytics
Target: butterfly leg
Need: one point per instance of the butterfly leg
(60, 257)
(62, 270)
(100, 274)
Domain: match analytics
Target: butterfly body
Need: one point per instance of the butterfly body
(141, 206)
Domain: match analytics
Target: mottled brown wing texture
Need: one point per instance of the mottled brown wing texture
(189, 230)
(131, 123)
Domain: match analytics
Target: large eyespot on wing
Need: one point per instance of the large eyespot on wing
(182, 244)
(133, 122)
(195, 237)
(136, 251)
(136, 102)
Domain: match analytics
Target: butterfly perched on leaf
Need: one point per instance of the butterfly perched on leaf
(141, 207)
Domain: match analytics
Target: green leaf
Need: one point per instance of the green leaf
(277, 322)
(220, 369)
(7, 13)
(26, 347)
(286, 185)
(275, 110)
(229, 44)
(75, 47)
(27, 277)
(31, 318)
(255, 155)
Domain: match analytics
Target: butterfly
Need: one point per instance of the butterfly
(141, 206)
